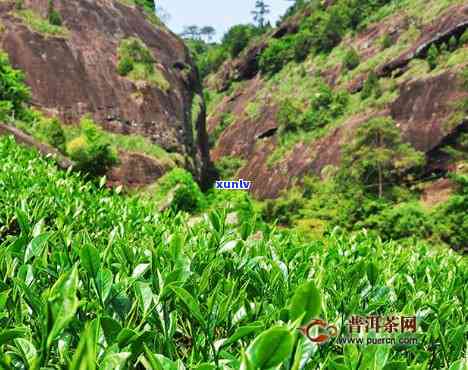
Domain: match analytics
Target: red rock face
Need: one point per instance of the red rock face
(422, 112)
(76, 75)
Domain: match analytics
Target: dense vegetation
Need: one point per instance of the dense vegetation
(137, 63)
(306, 81)
(92, 279)
(210, 56)
(173, 278)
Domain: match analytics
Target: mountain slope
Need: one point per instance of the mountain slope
(72, 69)
(252, 112)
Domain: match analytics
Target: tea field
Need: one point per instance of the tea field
(93, 279)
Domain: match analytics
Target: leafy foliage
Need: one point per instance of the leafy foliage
(137, 63)
(98, 270)
(13, 91)
(184, 193)
(377, 153)
(50, 130)
(351, 59)
(432, 56)
(90, 150)
(371, 87)
(105, 281)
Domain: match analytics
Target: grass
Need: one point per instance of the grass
(130, 143)
(40, 25)
(137, 63)
(150, 16)
(84, 268)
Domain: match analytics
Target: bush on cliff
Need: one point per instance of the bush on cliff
(13, 91)
(51, 131)
(137, 63)
(351, 59)
(451, 217)
(178, 190)
(90, 150)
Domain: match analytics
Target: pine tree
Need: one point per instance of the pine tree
(262, 9)
(377, 154)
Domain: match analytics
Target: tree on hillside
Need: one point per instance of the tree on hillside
(262, 9)
(237, 38)
(208, 32)
(377, 154)
(191, 32)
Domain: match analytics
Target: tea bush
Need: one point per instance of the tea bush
(91, 151)
(184, 191)
(51, 131)
(93, 279)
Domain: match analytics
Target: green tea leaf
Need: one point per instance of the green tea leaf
(271, 348)
(306, 301)
(90, 259)
(190, 302)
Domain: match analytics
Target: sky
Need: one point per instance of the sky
(221, 14)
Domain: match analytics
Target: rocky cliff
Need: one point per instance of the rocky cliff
(72, 71)
(425, 103)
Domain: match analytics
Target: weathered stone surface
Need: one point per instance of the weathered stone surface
(423, 109)
(135, 170)
(452, 23)
(74, 75)
(421, 112)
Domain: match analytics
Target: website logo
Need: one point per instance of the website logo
(325, 331)
(365, 330)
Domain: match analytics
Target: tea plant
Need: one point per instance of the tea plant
(92, 279)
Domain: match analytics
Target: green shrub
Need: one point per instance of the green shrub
(465, 78)
(325, 106)
(371, 87)
(185, 194)
(386, 41)
(276, 55)
(464, 38)
(6, 111)
(453, 43)
(53, 15)
(52, 132)
(433, 56)
(406, 220)
(237, 38)
(125, 66)
(351, 59)
(211, 60)
(289, 116)
(225, 120)
(43, 26)
(228, 166)
(443, 49)
(55, 18)
(91, 151)
(137, 63)
(302, 42)
(451, 217)
(284, 209)
(13, 91)
(19, 4)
